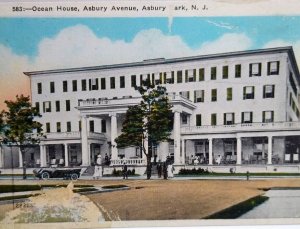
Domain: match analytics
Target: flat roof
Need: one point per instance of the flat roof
(288, 49)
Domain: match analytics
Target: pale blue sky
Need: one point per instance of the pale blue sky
(22, 35)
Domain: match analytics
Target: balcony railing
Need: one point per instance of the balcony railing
(72, 135)
(126, 100)
(246, 127)
(138, 161)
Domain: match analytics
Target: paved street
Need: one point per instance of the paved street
(282, 203)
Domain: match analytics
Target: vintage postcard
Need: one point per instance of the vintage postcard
(149, 114)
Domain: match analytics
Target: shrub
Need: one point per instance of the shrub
(193, 171)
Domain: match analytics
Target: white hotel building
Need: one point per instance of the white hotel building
(238, 109)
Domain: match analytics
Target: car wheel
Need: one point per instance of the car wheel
(45, 175)
(74, 176)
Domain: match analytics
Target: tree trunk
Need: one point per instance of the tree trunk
(24, 163)
(149, 166)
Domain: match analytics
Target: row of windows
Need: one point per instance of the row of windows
(229, 118)
(69, 126)
(48, 108)
(248, 93)
(191, 75)
(91, 85)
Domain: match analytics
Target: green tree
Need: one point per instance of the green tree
(21, 128)
(150, 120)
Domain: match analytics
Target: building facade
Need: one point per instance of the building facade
(239, 109)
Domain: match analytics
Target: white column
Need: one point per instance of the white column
(20, 159)
(183, 151)
(84, 141)
(210, 151)
(66, 155)
(1, 157)
(113, 135)
(238, 151)
(270, 148)
(176, 130)
(163, 151)
(43, 156)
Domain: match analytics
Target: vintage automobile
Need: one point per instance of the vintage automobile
(65, 173)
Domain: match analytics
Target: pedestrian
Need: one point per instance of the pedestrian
(170, 171)
(165, 170)
(159, 169)
(125, 171)
(98, 168)
(106, 159)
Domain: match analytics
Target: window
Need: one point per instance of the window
(58, 127)
(213, 95)
(37, 106)
(112, 83)
(79, 125)
(47, 127)
(268, 116)
(179, 76)
(170, 77)
(238, 71)
(201, 74)
(93, 84)
(198, 120)
(247, 117)
(213, 118)
(83, 85)
(269, 91)
(229, 93)
(228, 118)
(184, 119)
(162, 77)
(190, 75)
(92, 126)
(103, 86)
(213, 73)
(273, 68)
(39, 88)
(65, 86)
(74, 85)
(185, 94)
(293, 84)
(103, 126)
(68, 126)
(248, 92)
(133, 80)
(199, 96)
(52, 87)
(225, 72)
(47, 106)
(57, 106)
(68, 107)
(255, 69)
(122, 81)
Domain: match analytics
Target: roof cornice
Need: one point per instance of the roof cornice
(157, 61)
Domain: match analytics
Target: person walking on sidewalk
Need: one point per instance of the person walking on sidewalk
(125, 171)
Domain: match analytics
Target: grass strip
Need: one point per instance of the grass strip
(84, 190)
(17, 197)
(114, 186)
(239, 209)
(239, 174)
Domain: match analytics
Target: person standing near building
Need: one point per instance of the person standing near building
(159, 169)
(125, 171)
(98, 168)
(165, 170)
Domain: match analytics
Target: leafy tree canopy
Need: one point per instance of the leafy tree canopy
(20, 123)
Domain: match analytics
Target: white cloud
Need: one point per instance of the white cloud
(78, 46)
